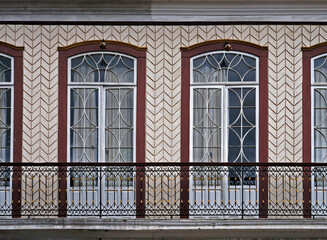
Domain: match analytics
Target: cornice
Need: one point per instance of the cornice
(164, 11)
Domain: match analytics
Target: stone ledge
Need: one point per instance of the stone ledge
(94, 228)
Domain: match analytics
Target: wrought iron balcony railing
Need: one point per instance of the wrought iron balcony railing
(163, 189)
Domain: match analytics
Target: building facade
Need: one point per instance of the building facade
(168, 86)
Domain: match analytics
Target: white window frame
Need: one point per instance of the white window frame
(221, 191)
(101, 88)
(224, 86)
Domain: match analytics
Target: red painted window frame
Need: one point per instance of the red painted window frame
(17, 54)
(308, 53)
(216, 45)
(93, 46)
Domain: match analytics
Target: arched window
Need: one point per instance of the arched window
(6, 105)
(224, 119)
(11, 108)
(224, 107)
(101, 103)
(319, 108)
(102, 107)
(101, 120)
(315, 126)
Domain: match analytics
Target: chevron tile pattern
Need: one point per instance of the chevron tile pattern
(163, 86)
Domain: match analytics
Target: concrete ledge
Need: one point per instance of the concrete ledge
(94, 228)
(108, 19)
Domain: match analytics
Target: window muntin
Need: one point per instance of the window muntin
(224, 111)
(102, 108)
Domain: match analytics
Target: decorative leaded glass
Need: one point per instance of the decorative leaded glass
(224, 67)
(84, 124)
(5, 69)
(320, 70)
(5, 107)
(242, 125)
(119, 125)
(224, 113)
(320, 125)
(5, 124)
(320, 109)
(102, 67)
(101, 111)
(206, 125)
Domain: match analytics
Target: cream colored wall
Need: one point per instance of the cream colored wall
(163, 97)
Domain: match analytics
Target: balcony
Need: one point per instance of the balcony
(163, 190)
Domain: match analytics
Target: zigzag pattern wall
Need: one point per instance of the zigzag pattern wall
(163, 83)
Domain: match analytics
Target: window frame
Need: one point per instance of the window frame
(16, 54)
(10, 85)
(314, 85)
(219, 45)
(101, 115)
(130, 50)
(224, 86)
(102, 87)
(309, 54)
(65, 53)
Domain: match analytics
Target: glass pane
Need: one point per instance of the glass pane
(5, 124)
(84, 114)
(5, 69)
(224, 67)
(320, 69)
(320, 125)
(206, 124)
(119, 124)
(242, 125)
(102, 67)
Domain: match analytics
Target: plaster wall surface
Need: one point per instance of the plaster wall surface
(163, 80)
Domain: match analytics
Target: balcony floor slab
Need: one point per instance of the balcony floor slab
(105, 228)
